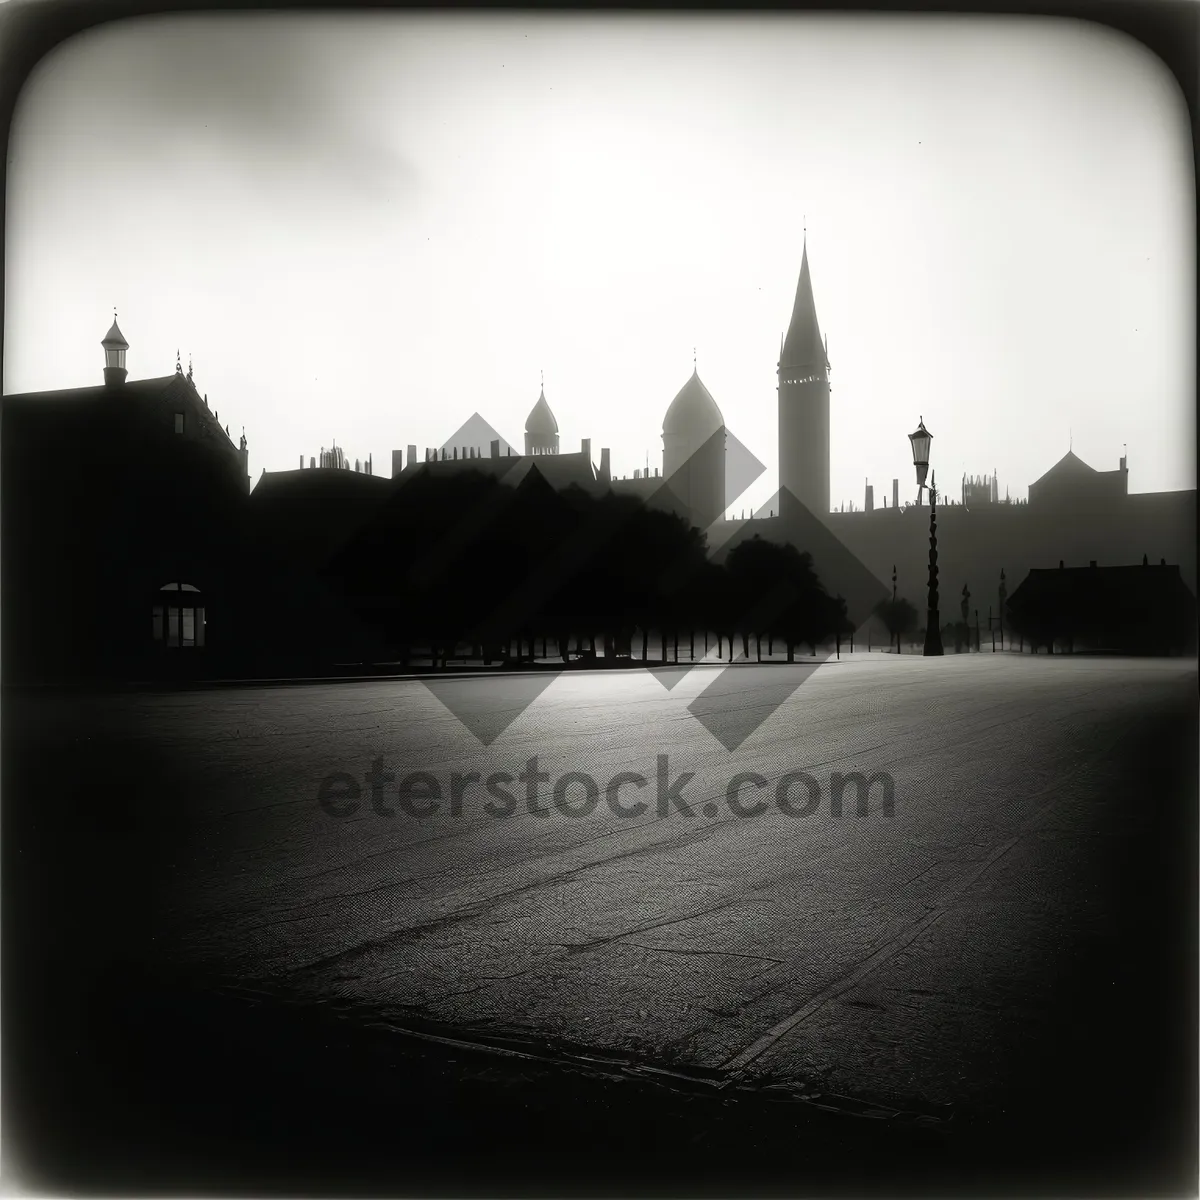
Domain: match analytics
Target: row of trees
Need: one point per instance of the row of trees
(466, 562)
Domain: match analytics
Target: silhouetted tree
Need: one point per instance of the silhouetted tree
(468, 561)
(899, 616)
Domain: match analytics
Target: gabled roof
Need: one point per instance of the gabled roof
(803, 346)
(1068, 467)
(541, 420)
(693, 411)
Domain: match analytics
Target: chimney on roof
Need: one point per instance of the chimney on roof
(397, 462)
(895, 493)
(585, 448)
(494, 448)
(605, 464)
(1060, 564)
(655, 472)
(412, 455)
(1162, 562)
(312, 462)
(1092, 563)
(302, 462)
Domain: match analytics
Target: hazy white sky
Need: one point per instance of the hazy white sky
(368, 227)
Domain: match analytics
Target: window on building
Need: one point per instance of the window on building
(179, 620)
(179, 422)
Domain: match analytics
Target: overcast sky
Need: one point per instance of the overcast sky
(365, 228)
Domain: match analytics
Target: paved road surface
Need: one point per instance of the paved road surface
(988, 949)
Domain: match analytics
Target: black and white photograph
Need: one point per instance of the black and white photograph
(598, 603)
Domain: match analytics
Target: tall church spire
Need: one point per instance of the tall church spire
(804, 406)
(803, 346)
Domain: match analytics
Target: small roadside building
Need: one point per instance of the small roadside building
(1145, 609)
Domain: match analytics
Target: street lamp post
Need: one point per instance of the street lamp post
(894, 606)
(920, 448)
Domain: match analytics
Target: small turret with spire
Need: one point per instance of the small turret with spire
(115, 346)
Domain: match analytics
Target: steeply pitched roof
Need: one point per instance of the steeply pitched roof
(1069, 466)
(693, 411)
(803, 346)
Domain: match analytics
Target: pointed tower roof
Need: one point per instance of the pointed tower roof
(1069, 465)
(693, 411)
(541, 420)
(803, 346)
(114, 338)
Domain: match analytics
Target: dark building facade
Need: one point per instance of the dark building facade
(122, 515)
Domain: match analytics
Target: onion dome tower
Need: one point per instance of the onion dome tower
(115, 345)
(694, 451)
(541, 429)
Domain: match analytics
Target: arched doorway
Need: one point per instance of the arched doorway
(178, 617)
